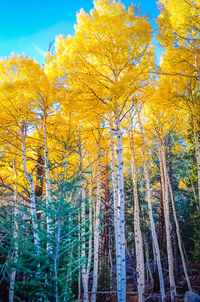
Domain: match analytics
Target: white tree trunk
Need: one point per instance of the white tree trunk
(179, 235)
(138, 234)
(97, 223)
(15, 251)
(196, 135)
(196, 63)
(90, 236)
(153, 229)
(121, 292)
(163, 169)
(82, 228)
(197, 155)
(79, 253)
(116, 202)
(30, 179)
(48, 183)
(83, 247)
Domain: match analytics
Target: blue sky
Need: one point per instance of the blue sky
(28, 26)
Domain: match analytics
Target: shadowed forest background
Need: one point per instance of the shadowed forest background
(100, 161)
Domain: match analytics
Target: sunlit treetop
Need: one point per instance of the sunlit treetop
(179, 19)
(108, 58)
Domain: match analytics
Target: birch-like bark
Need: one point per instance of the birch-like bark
(153, 229)
(97, 222)
(30, 179)
(79, 252)
(179, 235)
(83, 247)
(91, 229)
(196, 63)
(196, 135)
(163, 169)
(197, 155)
(15, 251)
(121, 292)
(83, 223)
(116, 205)
(48, 185)
(137, 228)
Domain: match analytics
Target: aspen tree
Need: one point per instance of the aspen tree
(137, 227)
(32, 189)
(178, 234)
(153, 229)
(48, 188)
(179, 33)
(97, 220)
(82, 219)
(163, 169)
(104, 68)
(115, 199)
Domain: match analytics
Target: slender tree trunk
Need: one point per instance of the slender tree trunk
(79, 251)
(121, 291)
(79, 224)
(90, 235)
(196, 63)
(179, 235)
(154, 257)
(83, 225)
(146, 249)
(31, 182)
(197, 154)
(167, 221)
(48, 183)
(196, 135)
(153, 229)
(97, 222)
(137, 228)
(116, 209)
(106, 217)
(15, 251)
(30, 179)
(83, 247)
(161, 227)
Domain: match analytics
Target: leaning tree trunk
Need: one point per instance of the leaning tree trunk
(179, 235)
(120, 252)
(97, 222)
(153, 229)
(163, 169)
(15, 251)
(137, 228)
